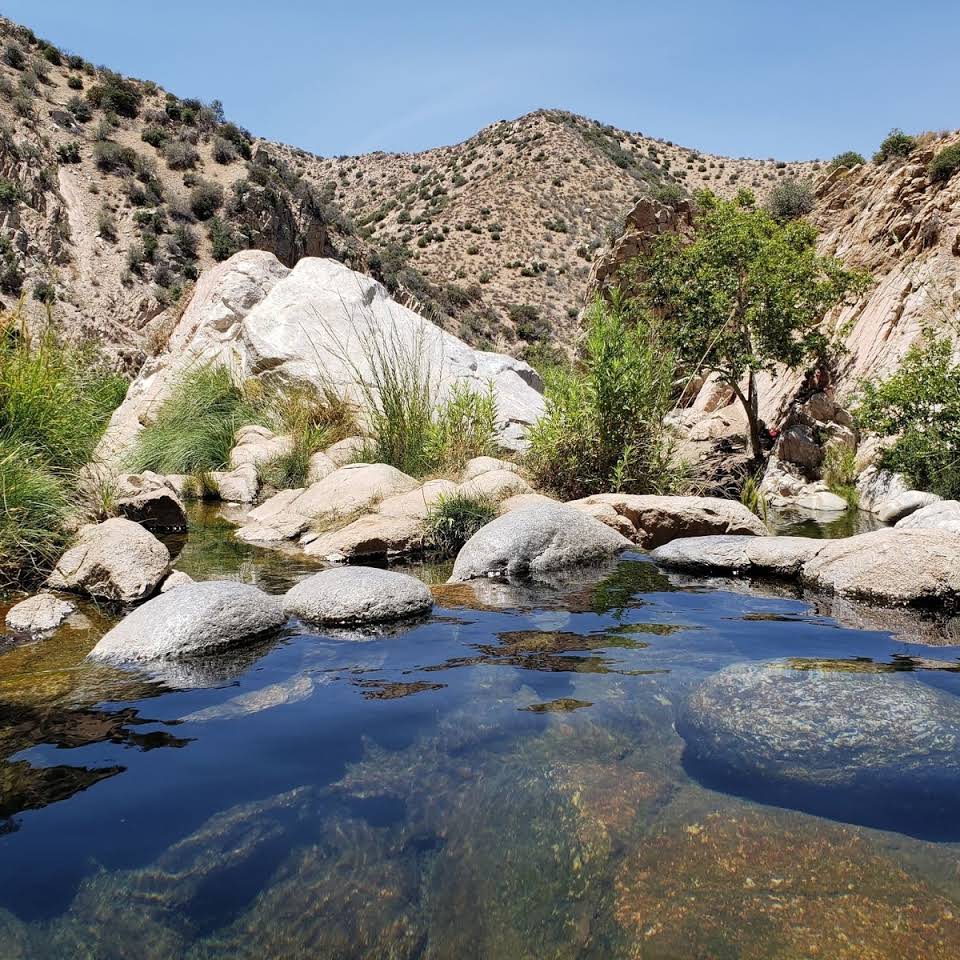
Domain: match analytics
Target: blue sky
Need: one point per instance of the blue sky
(792, 80)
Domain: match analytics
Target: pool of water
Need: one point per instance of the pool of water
(502, 780)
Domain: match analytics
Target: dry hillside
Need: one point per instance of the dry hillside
(114, 194)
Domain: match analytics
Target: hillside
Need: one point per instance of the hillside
(115, 194)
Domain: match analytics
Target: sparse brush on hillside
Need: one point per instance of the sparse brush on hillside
(55, 401)
(453, 520)
(604, 425)
(919, 405)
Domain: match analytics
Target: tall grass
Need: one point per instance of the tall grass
(604, 425)
(55, 401)
(453, 520)
(193, 431)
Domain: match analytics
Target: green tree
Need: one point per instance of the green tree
(747, 295)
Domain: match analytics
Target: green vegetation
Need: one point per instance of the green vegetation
(840, 472)
(454, 519)
(895, 144)
(55, 401)
(114, 94)
(847, 160)
(945, 164)
(604, 424)
(751, 496)
(920, 406)
(69, 152)
(748, 294)
(790, 200)
(194, 428)
(206, 198)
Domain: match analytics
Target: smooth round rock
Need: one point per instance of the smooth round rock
(194, 619)
(827, 740)
(350, 595)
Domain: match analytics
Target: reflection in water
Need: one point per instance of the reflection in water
(503, 780)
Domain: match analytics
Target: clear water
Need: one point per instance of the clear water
(503, 780)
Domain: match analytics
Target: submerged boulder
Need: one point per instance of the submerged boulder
(39, 614)
(536, 539)
(825, 739)
(356, 595)
(114, 560)
(771, 556)
(193, 619)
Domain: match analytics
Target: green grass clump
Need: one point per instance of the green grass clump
(193, 432)
(55, 402)
(604, 425)
(840, 472)
(453, 520)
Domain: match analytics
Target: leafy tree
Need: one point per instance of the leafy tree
(747, 295)
(895, 144)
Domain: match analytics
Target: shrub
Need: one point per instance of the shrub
(10, 192)
(603, 428)
(223, 151)
(44, 292)
(840, 472)
(74, 82)
(155, 136)
(846, 160)
(180, 155)
(69, 152)
(115, 94)
(13, 56)
(464, 426)
(106, 224)
(895, 144)
(530, 326)
(920, 406)
(206, 198)
(110, 157)
(223, 243)
(51, 54)
(194, 428)
(945, 164)
(454, 519)
(790, 200)
(80, 109)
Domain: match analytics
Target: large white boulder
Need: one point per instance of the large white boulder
(193, 619)
(536, 540)
(938, 515)
(318, 323)
(115, 560)
(350, 595)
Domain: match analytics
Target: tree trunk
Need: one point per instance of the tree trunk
(751, 406)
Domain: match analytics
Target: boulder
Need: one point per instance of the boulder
(896, 509)
(658, 520)
(240, 485)
(861, 744)
(194, 619)
(114, 560)
(605, 513)
(520, 500)
(176, 579)
(939, 515)
(319, 466)
(821, 501)
(347, 450)
(876, 487)
(257, 445)
(150, 500)
(897, 567)
(357, 595)
(417, 503)
(374, 536)
(354, 488)
(39, 614)
(480, 465)
(495, 485)
(759, 556)
(534, 540)
(799, 446)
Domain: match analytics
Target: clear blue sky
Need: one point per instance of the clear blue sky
(792, 80)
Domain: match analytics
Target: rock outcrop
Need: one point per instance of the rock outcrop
(321, 324)
(40, 614)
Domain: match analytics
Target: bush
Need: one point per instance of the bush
(223, 243)
(69, 152)
(896, 144)
(194, 428)
(839, 472)
(530, 326)
(945, 164)
(110, 157)
(920, 406)
(846, 160)
(206, 199)
(116, 95)
(80, 109)
(74, 82)
(10, 192)
(790, 200)
(13, 56)
(155, 136)
(180, 156)
(603, 429)
(44, 292)
(224, 151)
(453, 520)
(106, 224)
